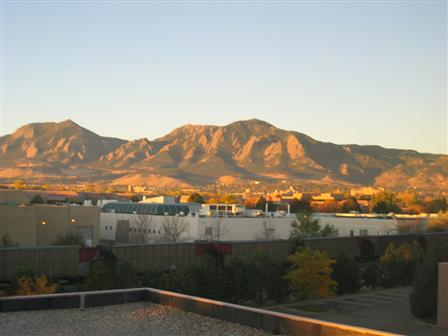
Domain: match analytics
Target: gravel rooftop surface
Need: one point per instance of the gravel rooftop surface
(142, 318)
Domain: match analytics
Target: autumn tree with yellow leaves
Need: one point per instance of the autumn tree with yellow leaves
(310, 274)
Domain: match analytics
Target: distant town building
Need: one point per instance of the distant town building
(159, 199)
(358, 193)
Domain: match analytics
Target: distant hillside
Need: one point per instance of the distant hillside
(200, 154)
(62, 143)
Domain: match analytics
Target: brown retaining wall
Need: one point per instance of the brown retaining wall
(72, 261)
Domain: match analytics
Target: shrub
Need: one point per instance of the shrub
(346, 273)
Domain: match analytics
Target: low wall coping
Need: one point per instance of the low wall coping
(255, 317)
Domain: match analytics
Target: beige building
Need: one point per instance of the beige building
(40, 224)
(14, 197)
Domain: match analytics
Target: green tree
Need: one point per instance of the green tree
(437, 204)
(37, 200)
(6, 241)
(369, 275)
(125, 275)
(346, 272)
(99, 276)
(423, 298)
(351, 204)
(329, 231)
(384, 203)
(305, 227)
(134, 198)
(300, 206)
(19, 184)
(209, 279)
(238, 281)
(440, 223)
(260, 269)
(310, 274)
(69, 239)
(196, 198)
(153, 279)
(398, 264)
(261, 204)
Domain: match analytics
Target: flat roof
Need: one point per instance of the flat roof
(141, 318)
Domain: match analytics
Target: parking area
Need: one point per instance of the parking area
(386, 309)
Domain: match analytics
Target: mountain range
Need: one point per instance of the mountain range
(198, 155)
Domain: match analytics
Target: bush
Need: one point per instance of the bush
(346, 273)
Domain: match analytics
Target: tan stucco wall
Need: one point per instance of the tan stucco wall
(19, 223)
(13, 197)
(24, 223)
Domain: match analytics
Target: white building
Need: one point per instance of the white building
(151, 222)
(358, 225)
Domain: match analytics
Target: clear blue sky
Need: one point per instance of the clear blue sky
(367, 73)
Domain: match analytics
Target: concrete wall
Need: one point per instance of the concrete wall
(39, 225)
(273, 322)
